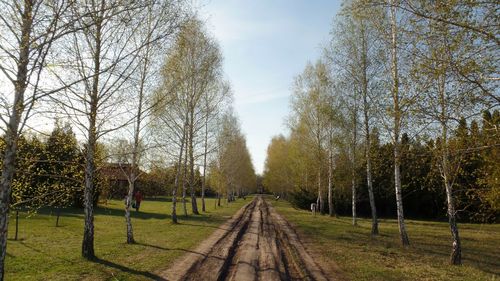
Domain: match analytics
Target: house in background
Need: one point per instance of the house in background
(114, 177)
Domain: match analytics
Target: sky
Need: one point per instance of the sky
(266, 43)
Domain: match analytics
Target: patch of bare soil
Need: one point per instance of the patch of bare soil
(256, 244)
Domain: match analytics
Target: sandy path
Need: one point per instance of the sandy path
(256, 244)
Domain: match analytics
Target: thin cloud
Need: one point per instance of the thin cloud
(247, 99)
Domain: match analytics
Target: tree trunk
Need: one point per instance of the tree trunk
(456, 250)
(353, 167)
(192, 182)
(176, 181)
(320, 203)
(331, 210)
(184, 185)
(354, 195)
(134, 168)
(203, 182)
(128, 202)
(11, 134)
(178, 175)
(371, 196)
(17, 225)
(7, 175)
(364, 63)
(397, 124)
(58, 214)
(174, 193)
(88, 230)
(132, 177)
(399, 198)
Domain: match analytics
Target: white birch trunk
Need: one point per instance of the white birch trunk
(456, 249)
(184, 184)
(397, 125)
(88, 231)
(192, 182)
(354, 142)
(11, 135)
(331, 210)
(177, 177)
(203, 182)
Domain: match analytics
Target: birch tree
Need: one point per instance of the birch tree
(191, 71)
(397, 113)
(309, 105)
(28, 31)
(480, 20)
(105, 57)
(277, 168)
(448, 97)
(356, 55)
(232, 168)
(214, 101)
(161, 21)
(204, 63)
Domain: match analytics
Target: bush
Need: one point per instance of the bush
(302, 198)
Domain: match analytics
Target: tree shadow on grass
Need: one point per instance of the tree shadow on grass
(168, 249)
(76, 212)
(128, 269)
(481, 259)
(177, 249)
(120, 212)
(204, 225)
(141, 215)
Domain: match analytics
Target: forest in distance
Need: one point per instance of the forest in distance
(398, 118)
(423, 195)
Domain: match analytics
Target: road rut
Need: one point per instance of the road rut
(256, 244)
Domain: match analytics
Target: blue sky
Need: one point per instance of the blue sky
(265, 45)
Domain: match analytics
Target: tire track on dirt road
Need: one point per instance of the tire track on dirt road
(256, 244)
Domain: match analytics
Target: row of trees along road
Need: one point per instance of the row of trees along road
(144, 72)
(408, 86)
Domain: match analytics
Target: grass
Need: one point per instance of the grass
(360, 257)
(46, 252)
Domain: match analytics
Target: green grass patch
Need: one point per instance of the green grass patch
(361, 257)
(46, 252)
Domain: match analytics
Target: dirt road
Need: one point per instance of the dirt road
(256, 244)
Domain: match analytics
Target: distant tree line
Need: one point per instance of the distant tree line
(476, 193)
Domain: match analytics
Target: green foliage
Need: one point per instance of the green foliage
(232, 171)
(158, 181)
(277, 172)
(302, 198)
(62, 168)
(475, 152)
(48, 172)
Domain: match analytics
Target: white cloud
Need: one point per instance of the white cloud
(245, 99)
